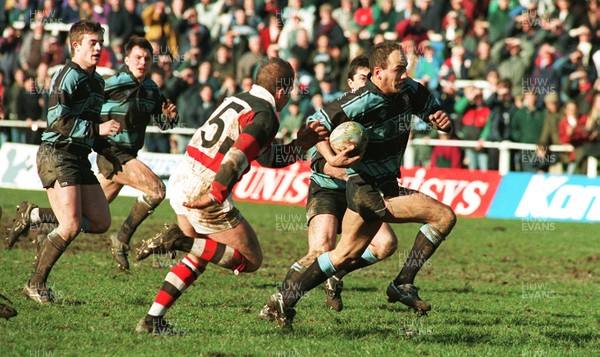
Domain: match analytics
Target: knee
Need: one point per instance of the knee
(156, 197)
(389, 247)
(252, 265)
(160, 193)
(446, 219)
(70, 231)
(450, 218)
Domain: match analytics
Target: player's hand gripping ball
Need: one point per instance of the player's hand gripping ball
(346, 134)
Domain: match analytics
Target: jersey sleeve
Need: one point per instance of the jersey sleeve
(424, 102)
(255, 136)
(330, 116)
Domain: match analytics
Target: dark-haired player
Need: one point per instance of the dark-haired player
(239, 131)
(134, 101)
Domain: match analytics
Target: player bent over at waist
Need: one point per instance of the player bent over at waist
(239, 131)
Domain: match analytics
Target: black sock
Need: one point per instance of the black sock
(312, 277)
(184, 244)
(293, 274)
(361, 263)
(139, 212)
(421, 251)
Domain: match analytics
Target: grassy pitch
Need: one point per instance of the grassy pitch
(515, 288)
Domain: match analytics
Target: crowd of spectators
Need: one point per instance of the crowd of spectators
(524, 71)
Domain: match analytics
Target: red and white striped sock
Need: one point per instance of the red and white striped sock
(179, 278)
(219, 254)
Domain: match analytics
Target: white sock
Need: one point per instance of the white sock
(34, 216)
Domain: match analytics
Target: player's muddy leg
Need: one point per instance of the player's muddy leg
(356, 235)
(94, 210)
(236, 248)
(322, 233)
(383, 245)
(176, 282)
(50, 249)
(139, 176)
(439, 220)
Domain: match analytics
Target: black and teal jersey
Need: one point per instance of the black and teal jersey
(320, 178)
(387, 119)
(134, 105)
(74, 106)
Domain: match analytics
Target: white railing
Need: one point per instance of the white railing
(42, 125)
(504, 147)
(409, 158)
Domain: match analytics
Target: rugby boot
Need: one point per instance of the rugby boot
(283, 315)
(21, 223)
(162, 243)
(119, 251)
(408, 294)
(333, 291)
(266, 314)
(38, 293)
(6, 311)
(156, 326)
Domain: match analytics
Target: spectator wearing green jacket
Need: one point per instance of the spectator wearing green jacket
(526, 127)
(513, 57)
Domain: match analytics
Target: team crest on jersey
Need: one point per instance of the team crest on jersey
(149, 91)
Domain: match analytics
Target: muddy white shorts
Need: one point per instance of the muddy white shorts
(189, 181)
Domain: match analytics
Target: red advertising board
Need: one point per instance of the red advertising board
(287, 185)
(469, 193)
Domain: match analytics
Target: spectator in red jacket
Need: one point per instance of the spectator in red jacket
(571, 130)
(471, 126)
(413, 28)
(270, 33)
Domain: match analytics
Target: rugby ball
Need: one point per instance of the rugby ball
(346, 134)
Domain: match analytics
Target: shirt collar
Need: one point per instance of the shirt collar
(262, 93)
(125, 69)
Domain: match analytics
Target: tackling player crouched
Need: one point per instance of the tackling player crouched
(210, 228)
